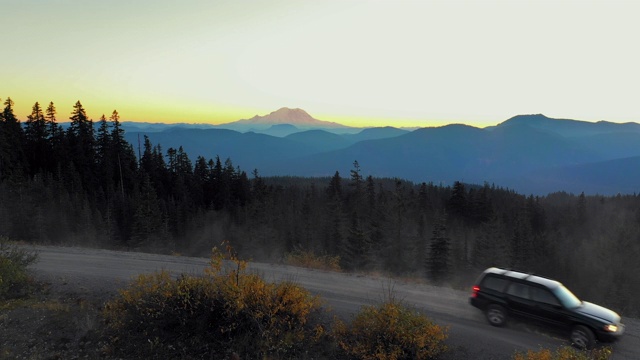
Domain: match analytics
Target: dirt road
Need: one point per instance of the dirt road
(470, 335)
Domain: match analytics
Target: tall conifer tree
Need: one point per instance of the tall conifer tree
(11, 144)
(438, 263)
(82, 145)
(37, 144)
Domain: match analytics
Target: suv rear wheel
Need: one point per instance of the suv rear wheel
(582, 337)
(496, 315)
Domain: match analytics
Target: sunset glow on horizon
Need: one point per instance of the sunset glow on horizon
(358, 63)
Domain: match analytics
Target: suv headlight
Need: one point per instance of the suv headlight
(610, 328)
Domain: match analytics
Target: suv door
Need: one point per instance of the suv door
(519, 299)
(548, 307)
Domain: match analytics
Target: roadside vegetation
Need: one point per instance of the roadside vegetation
(224, 312)
(308, 259)
(15, 281)
(565, 353)
(390, 331)
(230, 312)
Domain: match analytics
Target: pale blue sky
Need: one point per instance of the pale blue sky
(364, 63)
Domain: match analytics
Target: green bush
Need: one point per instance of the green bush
(14, 260)
(224, 312)
(565, 353)
(390, 331)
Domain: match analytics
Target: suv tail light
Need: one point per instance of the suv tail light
(475, 289)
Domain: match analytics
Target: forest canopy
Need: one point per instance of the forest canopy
(86, 186)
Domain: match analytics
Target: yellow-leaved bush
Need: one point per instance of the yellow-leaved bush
(390, 331)
(228, 310)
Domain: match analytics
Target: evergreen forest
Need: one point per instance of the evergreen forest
(86, 186)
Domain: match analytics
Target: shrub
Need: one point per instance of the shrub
(158, 314)
(390, 331)
(14, 260)
(565, 353)
(227, 310)
(308, 259)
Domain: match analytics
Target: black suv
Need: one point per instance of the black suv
(501, 293)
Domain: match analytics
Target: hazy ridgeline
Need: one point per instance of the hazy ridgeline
(87, 187)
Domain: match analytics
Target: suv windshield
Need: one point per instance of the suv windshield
(566, 297)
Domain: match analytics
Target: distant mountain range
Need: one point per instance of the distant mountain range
(531, 154)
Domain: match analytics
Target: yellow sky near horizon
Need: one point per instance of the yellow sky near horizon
(359, 63)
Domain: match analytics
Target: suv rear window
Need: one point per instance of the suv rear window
(519, 290)
(494, 283)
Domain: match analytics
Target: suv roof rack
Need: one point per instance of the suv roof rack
(528, 274)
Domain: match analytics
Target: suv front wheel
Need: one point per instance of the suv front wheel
(496, 315)
(582, 337)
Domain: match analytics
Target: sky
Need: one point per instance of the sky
(360, 63)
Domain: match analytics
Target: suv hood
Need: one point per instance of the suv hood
(598, 312)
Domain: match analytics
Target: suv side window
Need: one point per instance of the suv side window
(544, 296)
(494, 283)
(519, 290)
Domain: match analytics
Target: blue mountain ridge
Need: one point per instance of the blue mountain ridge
(530, 154)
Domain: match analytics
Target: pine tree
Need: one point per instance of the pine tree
(199, 182)
(398, 246)
(581, 209)
(309, 220)
(357, 192)
(103, 157)
(219, 186)
(241, 188)
(536, 215)
(481, 207)
(438, 264)
(333, 241)
(258, 187)
(457, 206)
(82, 145)
(147, 218)
(490, 246)
(356, 252)
(81, 126)
(50, 118)
(522, 246)
(375, 218)
(57, 140)
(356, 178)
(36, 126)
(184, 167)
(152, 163)
(37, 145)
(123, 157)
(12, 158)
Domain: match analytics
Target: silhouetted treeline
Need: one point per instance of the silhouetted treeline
(86, 186)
